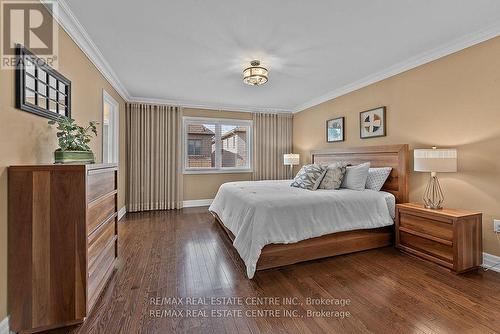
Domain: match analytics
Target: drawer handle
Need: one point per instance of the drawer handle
(111, 243)
(426, 236)
(101, 198)
(102, 170)
(99, 227)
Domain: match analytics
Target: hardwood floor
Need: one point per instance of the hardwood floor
(184, 254)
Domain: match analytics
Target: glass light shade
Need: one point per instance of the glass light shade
(255, 75)
(291, 159)
(435, 160)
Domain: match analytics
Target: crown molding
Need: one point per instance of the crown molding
(68, 21)
(211, 106)
(413, 62)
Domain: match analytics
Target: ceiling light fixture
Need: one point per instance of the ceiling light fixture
(255, 75)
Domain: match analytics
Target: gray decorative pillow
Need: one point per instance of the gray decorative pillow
(376, 177)
(334, 175)
(309, 177)
(355, 177)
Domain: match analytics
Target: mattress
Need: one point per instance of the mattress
(259, 213)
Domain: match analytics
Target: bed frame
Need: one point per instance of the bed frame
(395, 156)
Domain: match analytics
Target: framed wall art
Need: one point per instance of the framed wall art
(335, 130)
(372, 123)
(40, 89)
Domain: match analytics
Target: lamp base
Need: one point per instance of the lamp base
(433, 196)
(433, 208)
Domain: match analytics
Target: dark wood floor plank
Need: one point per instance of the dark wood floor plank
(183, 254)
(449, 297)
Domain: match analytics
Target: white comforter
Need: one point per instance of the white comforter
(259, 213)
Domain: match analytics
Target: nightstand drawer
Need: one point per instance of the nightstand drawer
(449, 237)
(427, 246)
(422, 225)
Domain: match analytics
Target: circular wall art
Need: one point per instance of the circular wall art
(372, 123)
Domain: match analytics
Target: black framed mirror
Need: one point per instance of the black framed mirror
(40, 89)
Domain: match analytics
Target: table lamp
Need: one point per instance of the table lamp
(434, 161)
(291, 159)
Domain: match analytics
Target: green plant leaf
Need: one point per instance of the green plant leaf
(71, 136)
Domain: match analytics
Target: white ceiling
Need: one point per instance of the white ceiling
(192, 52)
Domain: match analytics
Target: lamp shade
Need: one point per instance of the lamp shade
(435, 160)
(291, 159)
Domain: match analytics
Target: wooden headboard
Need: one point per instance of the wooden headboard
(395, 156)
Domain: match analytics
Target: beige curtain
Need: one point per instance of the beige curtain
(154, 175)
(272, 139)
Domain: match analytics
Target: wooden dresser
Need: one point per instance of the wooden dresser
(62, 242)
(451, 238)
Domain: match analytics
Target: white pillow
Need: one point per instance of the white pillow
(376, 177)
(355, 176)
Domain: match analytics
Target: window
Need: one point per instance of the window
(194, 146)
(110, 126)
(214, 145)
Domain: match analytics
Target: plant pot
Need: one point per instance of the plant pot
(71, 157)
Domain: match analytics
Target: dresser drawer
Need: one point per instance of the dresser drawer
(423, 225)
(99, 270)
(98, 240)
(100, 183)
(99, 212)
(426, 246)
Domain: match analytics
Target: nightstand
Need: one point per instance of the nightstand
(448, 237)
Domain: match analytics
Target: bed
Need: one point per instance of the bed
(272, 224)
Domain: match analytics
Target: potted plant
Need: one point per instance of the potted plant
(73, 141)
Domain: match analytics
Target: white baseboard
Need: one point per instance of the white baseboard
(122, 212)
(197, 202)
(490, 260)
(4, 326)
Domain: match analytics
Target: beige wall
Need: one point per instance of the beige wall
(451, 102)
(205, 186)
(27, 139)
